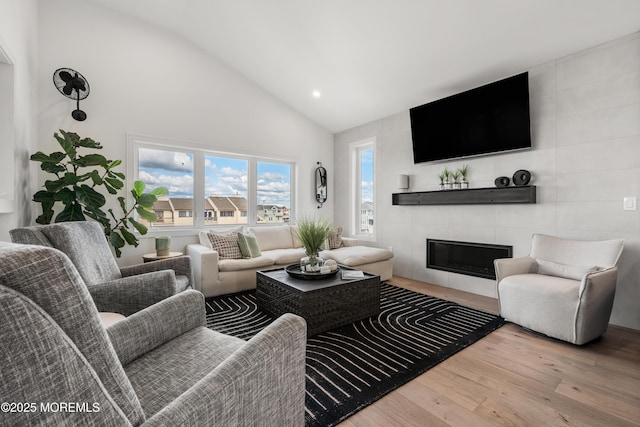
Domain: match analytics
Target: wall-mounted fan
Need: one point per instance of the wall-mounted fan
(73, 85)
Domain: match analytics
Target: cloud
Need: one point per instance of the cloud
(178, 186)
(165, 160)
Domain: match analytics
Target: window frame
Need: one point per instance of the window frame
(199, 151)
(355, 148)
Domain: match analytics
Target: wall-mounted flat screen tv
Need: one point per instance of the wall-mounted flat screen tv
(488, 119)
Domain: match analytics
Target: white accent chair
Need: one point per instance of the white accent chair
(564, 289)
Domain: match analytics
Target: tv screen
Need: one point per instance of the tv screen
(487, 119)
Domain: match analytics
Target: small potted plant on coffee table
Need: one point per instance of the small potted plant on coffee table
(313, 232)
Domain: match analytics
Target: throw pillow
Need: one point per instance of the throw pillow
(249, 245)
(226, 244)
(575, 272)
(335, 238)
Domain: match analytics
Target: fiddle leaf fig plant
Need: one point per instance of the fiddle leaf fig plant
(78, 186)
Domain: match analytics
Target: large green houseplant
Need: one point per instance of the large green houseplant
(79, 178)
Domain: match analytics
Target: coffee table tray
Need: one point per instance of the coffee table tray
(294, 271)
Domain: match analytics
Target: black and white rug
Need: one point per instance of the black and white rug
(351, 367)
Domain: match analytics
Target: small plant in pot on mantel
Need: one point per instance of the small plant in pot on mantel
(448, 179)
(464, 172)
(313, 232)
(443, 176)
(456, 179)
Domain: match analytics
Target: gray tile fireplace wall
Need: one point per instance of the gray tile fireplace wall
(585, 124)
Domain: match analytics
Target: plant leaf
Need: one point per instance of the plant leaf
(65, 195)
(91, 160)
(142, 229)
(147, 200)
(52, 167)
(44, 197)
(47, 213)
(115, 183)
(159, 191)
(89, 197)
(88, 143)
(117, 242)
(114, 164)
(122, 204)
(51, 158)
(66, 142)
(148, 215)
(71, 212)
(138, 187)
(129, 237)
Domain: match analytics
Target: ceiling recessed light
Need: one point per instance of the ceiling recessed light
(316, 94)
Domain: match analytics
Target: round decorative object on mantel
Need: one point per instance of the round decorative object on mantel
(502, 181)
(521, 177)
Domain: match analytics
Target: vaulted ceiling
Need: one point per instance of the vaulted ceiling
(372, 58)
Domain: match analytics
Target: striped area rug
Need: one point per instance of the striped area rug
(351, 367)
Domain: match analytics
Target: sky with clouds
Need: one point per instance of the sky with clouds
(224, 176)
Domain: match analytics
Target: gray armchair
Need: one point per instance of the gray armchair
(564, 288)
(114, 289)
(158, 367)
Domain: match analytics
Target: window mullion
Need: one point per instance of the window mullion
(198, 189)
(252, 191)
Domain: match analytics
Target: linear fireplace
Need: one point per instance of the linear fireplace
(473, 259)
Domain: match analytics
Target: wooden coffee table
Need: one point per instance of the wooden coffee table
(325, 304)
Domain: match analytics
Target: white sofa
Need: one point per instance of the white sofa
(280, 247)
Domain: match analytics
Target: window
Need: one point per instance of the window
(363, 188)
(208, 188)
(274, 192)
(174, 171)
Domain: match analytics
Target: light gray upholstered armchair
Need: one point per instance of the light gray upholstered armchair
(564, 289)
(158, 367)
(120, 290)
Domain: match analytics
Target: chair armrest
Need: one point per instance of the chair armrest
(181, 265)
(130, 294)
(149, 328)
(262, 383)
(596, 294)
(349, 241)
(204, 262)
(511, 266)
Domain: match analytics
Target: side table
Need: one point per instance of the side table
(154, 257)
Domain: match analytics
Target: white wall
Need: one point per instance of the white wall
(148, 81)
(586, 158)
(18, 39)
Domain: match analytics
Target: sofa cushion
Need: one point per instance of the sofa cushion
(335, 238)
(226, 245)
(357, 255)
(285, 256)
(575, 272)
(177, 365)
(244, 263)
(203, 236)
(273, 237)
(248, 245)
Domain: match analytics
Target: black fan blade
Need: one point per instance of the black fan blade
(78, 84)
(65, 76)
(68, 88)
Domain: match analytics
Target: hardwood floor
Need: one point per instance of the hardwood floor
(516, 378)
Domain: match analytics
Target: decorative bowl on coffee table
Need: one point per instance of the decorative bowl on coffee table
(294, 271)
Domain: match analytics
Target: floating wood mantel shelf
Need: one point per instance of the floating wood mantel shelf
(471, 196)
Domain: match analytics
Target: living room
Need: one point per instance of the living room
(149, 81)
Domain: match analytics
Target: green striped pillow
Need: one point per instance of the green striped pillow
(248, 245)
